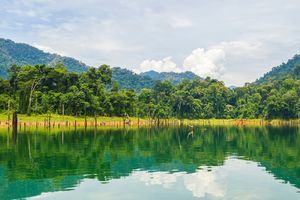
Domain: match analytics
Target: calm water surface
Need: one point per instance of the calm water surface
(164, 163)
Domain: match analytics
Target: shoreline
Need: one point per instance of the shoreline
(72, 121)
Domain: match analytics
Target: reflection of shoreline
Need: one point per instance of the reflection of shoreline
(111, 153)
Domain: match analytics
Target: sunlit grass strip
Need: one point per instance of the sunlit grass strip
(72, 121)
(241, 122)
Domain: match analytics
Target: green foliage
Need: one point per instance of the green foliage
(42, 89)
(22, 54)
(129, 80)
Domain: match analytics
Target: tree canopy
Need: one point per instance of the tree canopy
(42, 89)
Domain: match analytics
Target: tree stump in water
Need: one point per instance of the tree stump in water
(14, 127)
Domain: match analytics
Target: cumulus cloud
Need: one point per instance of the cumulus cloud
(202, 62)
(164, 65)
(200, 183)
(206, 63)
(212, 62)
(204, 182)
(167, 180)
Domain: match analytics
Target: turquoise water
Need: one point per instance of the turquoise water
(156, 163)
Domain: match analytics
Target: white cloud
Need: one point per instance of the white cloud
(164, 65)
(204, 182)
(216, 59)
(167, 180)
(213, 61)
(206, 63)
(49, 49)
(210, 62)
(200, 183)
(181, 22)
(258, 35)
(241, 48)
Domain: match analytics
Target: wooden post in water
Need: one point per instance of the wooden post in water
(8, 119)
(85, 122)
(49, 121)
(95, 121)
(14, 126)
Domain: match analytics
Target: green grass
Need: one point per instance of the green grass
(134, 120)
(55, 117)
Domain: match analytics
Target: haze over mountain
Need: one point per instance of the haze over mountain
(174, 77)
(24, 54)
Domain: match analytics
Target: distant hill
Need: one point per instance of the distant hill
(281, 71)
(24, 54)
(129, 80)
(174, 77)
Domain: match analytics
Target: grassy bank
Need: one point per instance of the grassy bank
(61, 121)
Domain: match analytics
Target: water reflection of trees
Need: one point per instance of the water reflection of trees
(49, 162)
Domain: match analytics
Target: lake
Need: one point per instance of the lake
(151, 163)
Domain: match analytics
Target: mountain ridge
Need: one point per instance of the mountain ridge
(173, 77)
(25, 54)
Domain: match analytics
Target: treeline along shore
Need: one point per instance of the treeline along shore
(92, 97)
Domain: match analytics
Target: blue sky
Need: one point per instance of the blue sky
(233, 40)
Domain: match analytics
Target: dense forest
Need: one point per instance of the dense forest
(42, 89)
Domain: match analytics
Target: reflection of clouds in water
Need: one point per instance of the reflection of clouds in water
(204, 182)
(165, 179)
(200, 183)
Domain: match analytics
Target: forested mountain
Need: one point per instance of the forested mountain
(24, 54)
(174, 77)
(41, 89)
(289, 69)
(127, 79)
